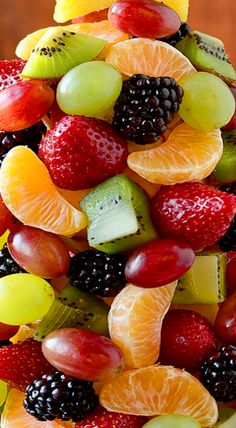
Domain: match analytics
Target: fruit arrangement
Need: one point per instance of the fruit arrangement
(118, 222)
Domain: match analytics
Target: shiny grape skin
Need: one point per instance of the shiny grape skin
(151, 19)
(158, 263)
(39, 252)
(225, 323)
(23, 104)
(83, 354)
(6, 217)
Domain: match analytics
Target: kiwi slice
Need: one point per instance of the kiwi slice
(227, 418)
(208, 54)
(118, 213)
(58, 51)
(226, 168)
(61, 316)
(204, 282)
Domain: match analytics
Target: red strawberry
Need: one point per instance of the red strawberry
(193, 212)
(80, 152)
(101, 418)
(21, 363)
(187, 339)
(10, 72)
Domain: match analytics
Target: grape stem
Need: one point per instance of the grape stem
(47, 122)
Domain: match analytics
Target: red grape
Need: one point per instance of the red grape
(6, 217)
(232, 123)
(101, 15)
(7, 331)
(225, 323)
(82, 353)
(39, 252)
(23, 104)
(151, 19)
(158, 263)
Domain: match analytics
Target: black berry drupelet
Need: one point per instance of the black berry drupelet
(228, 241)
(98, 273)
(175, 38)
(145, 107)
(57, 396)
(218, 374)
(29, 137)
(229, 188)
(8, 265)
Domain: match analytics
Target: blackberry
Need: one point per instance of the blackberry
(29, 137)
(8, 265)
(218, 374)
(98, 273)
(57, 396)
(145, 106)
(175, 38)
(228, 241)
(229, 188)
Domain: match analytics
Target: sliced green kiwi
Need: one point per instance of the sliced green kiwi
(226, 168)
(62, 316)
(204, 282)
(118, 213)
(208, 54)
(227, 418)
(58, 51)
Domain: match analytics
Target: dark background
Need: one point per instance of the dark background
(19, 17)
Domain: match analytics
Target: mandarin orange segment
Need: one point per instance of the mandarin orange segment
(135, 321)
(15, 416)
(29, 193)
(149, 188)
(150, 57)
(188, 154)
(159, 390)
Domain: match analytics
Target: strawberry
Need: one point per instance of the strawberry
(187, 339)
(193, 212)
(101, 418)
(10, 72)
(80, 152)
(23, 362)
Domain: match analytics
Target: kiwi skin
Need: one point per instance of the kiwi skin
(225, 171)
(207, 53)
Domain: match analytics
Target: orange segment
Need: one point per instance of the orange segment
(150, 57)
(29, 193)
(188, 154)
(159, 390)
(135, 321)
(149, 188)
(15, 416)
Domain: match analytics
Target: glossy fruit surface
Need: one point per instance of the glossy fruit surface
(16, 103)
(151, 19)
(232, 123)
(158, 263)
(39, 252)
(135, 321)
(24, 298)
(79, 93)
(5, 217)
(10, 72)
(225, 323)
(92, 356)
(208, 103)
(172, 421)
(133, 57)
(7, 331)
(25, 179)
(101, 15)
(101, 418)
(198, 154)
(161, 390)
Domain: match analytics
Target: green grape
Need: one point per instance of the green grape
(89, 89)
(208, 103)
(3, 392)
(24, 298)
(172, 421)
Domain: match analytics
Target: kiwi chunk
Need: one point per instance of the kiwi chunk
(207, 54)
(118, 213)
(58, 51)
(61, 316)
(227, 418)
(204, 282)
(226, 168)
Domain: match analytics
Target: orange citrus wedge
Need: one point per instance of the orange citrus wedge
(150, 57)
(29, 193)
(159, 390)
(188, 154)
(135, 321)
(15, 416)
